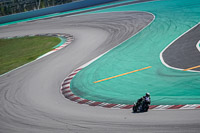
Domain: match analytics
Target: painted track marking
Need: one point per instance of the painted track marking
(66, 91)
(191, 68)
(122, 74)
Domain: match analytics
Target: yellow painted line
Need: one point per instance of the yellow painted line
(191, 68)
(122, 74)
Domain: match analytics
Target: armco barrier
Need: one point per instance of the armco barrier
(54, 9)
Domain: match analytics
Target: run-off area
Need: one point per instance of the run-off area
(167, 86)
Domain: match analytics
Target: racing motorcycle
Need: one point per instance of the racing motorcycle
(142, 105)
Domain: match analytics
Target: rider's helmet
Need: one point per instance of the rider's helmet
(147, 94)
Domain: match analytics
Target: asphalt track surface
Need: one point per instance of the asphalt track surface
(183, 53)
(30, 99)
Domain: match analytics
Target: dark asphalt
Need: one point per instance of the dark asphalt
(183, 53)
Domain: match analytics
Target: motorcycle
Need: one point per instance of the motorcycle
(142, 105)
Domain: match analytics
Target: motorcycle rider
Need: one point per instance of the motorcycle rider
(146, 99)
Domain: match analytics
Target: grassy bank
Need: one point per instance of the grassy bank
(18, 51)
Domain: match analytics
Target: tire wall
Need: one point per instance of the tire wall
(54, 9)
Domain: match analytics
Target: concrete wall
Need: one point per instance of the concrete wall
(50, 10)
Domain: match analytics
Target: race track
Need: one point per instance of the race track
(183, 53)
(30, 98)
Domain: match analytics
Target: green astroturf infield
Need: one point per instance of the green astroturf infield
(166, 85)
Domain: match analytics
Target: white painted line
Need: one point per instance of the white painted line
(33, 60)
(90, 102)
(88, 63)
(161, 54)
(65, 91)
(78, 100)
(71, 76)
(103, 104)
(66, 83)
(67, 94)
(162, 107)
(66, 86)
(193, 106)
(198, 45)
(45, 55)
(119, 105)
(72, 97)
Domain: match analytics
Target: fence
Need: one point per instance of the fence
(54, 9)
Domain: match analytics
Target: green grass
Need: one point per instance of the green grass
(18, 51)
